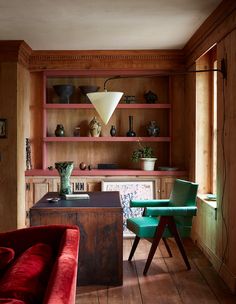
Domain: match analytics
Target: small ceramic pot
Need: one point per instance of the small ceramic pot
(113, 131)
(59, 132)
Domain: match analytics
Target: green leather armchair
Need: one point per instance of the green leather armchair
(165, 218)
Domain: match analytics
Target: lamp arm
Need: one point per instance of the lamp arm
(222, 70)
(114, 77)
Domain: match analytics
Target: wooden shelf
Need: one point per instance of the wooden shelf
(106, 139)
(78, 112)
(120, 106)
(101, 172)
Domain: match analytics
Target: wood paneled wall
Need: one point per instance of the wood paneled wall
(8, 146)
(220, 29)
(14, 106)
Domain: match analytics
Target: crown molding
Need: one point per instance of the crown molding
(19, 51)
(15, 51)
(213, 30)
(44, 60)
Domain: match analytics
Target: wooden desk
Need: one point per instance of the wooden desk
(100, 221)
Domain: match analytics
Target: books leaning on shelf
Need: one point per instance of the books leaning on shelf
(76, 196)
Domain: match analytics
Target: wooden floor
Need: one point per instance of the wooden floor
(167, 282)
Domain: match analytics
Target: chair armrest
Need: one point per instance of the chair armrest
(149, 203)
(169, 211)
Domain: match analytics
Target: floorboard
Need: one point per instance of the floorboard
(167, 282)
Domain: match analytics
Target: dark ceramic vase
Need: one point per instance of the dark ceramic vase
(113, 131)
(131, 132)
(64, 91)
(59, 132)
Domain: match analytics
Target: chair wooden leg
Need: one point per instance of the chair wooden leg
(135, 244)
(167, 247)
(173, 229)
(155, 242)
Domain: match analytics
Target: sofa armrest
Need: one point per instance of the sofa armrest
(61, 287)
(21, 239)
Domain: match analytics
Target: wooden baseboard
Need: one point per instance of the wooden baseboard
(222, 269)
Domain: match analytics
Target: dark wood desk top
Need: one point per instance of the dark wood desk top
(96, 200)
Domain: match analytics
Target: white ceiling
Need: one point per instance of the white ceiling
(103, 24)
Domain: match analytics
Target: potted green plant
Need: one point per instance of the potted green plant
(145, 155)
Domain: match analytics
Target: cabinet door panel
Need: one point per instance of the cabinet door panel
(40, 188)
(158, 188)
(93, 186)
(166, 186)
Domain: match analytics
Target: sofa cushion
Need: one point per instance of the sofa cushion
(6, 256)
(10, 301)
(27, 278)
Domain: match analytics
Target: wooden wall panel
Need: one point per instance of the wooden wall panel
(190, 122)
(36, 118)
(227, 146)
(14, 105)
(8, 147)
(220, 241)
(23, 127)
(178, 128)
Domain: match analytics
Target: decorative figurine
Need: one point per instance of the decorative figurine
(95, 127)
(150, 97)
(28, 154)
(153, 129)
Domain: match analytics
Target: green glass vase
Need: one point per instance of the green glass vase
(65, 169)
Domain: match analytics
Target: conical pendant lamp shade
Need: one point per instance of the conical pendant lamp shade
(105, 103)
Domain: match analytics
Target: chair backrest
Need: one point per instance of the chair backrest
(184, 193)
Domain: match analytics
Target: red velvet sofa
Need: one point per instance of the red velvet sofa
(39, 265)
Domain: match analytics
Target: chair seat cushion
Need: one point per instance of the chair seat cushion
(144, 227)
(6, 256)
(27, 277)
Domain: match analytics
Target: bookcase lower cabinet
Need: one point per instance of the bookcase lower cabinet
(166, 186)
(35, 188)
(38, 186)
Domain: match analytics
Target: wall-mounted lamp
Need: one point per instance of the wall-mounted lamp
(106, 102)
